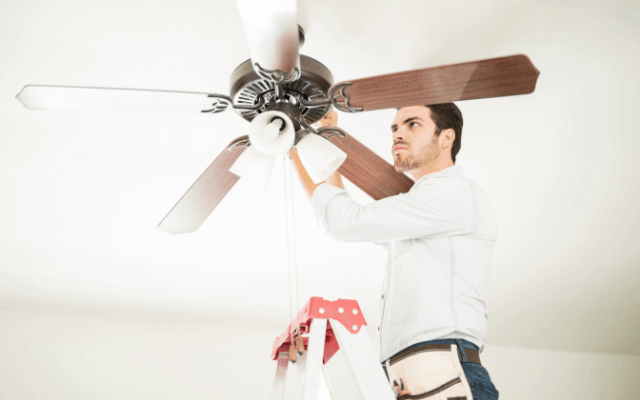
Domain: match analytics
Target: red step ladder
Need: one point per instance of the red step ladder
(323, 327)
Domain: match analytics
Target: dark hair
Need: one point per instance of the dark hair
(448, 116)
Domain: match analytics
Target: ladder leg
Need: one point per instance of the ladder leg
(281, 376)
(325, 385)
(324, 389)
(364, 365)
(315, 353)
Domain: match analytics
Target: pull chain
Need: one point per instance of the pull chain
(291, 237)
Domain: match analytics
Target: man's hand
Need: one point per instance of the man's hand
(330, 119)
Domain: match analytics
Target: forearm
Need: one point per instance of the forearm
(307, 183)
(335, 179)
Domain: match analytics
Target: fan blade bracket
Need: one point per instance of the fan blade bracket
(315, 103)
(222, 104)
(239, 142)
(328, 132)
(254, 107)
(336, 96)
(337, 92)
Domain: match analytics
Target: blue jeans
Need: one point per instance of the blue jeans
(479, 380)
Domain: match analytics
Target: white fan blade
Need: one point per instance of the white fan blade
(272, 32)
(205, 194)
(67, 98)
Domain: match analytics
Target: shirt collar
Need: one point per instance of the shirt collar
(454, 169)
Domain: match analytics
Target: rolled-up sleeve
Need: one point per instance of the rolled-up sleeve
(440, 206)
(322, 195)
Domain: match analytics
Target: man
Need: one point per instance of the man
(440, 237)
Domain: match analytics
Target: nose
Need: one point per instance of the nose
(398, 135)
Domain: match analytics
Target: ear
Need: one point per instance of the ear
(447, 137)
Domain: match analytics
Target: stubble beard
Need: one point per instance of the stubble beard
(426, 156)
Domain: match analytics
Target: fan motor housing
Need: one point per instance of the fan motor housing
(315, 80)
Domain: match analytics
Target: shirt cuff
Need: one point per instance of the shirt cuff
(322, 195)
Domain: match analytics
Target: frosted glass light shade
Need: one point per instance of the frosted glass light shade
(319, 156)
(281, 144)
(254, 166)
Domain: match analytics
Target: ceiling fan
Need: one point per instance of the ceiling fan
(282, 93)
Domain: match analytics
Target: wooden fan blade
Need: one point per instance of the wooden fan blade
(205, 194)
(496, 77)
(368, 171)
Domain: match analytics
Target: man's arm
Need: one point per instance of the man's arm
(334, 179)
(443, 206)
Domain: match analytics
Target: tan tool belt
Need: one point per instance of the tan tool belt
(431, 372)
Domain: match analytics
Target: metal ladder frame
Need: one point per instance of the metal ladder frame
(330, 325)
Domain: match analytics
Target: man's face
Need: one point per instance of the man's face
(415, 144)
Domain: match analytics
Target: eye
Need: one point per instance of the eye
(414, 122)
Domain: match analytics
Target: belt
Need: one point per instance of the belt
(471, 355)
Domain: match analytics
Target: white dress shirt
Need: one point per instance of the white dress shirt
(440, 237)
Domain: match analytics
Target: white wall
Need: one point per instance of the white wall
(526, 373)
(56, 356)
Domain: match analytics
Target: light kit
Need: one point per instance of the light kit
(272, 134)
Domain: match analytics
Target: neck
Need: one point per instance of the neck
(435, 166)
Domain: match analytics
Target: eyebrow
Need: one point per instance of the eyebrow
(406, 121)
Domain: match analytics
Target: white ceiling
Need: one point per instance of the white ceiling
(82, 193)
